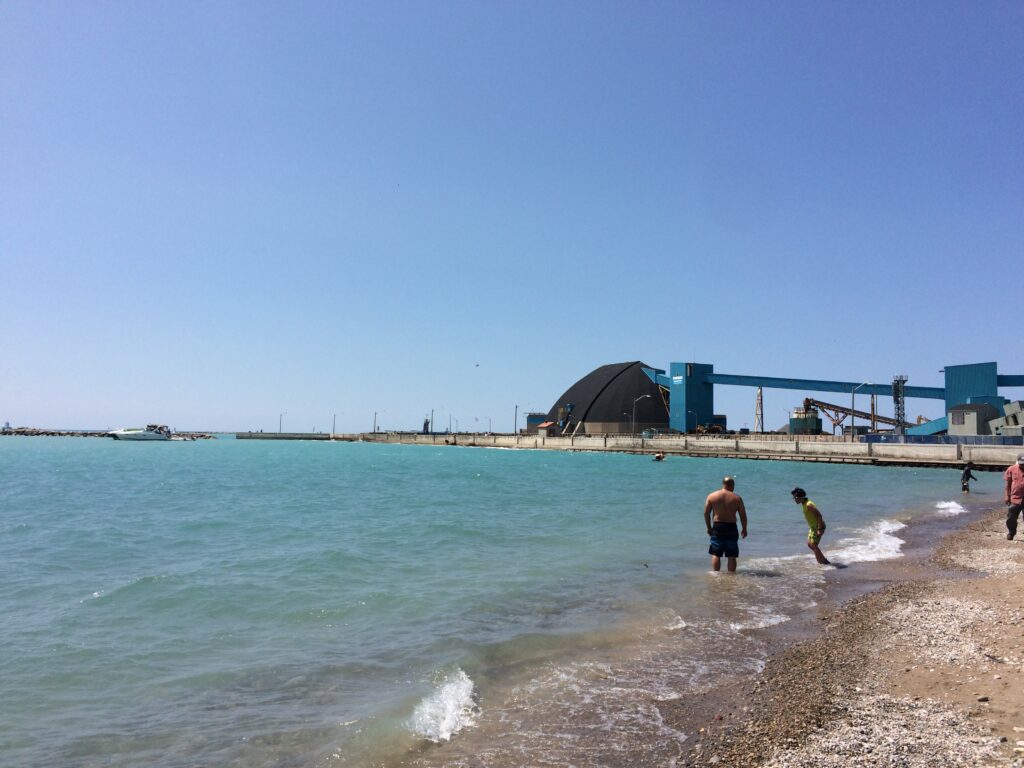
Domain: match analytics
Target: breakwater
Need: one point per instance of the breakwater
(984, 457)
(37, 432)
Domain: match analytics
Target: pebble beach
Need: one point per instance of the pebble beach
(926, 671)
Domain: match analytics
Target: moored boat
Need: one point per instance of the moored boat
(151, 432)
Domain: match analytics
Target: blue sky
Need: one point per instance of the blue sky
(215, 213)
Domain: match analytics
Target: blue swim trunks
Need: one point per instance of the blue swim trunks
(725, 540)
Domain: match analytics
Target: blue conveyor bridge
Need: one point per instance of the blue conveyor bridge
(692, 401)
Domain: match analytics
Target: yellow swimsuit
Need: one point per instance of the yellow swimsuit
(812, 522)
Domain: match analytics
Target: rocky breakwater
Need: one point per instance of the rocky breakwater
(37, 432)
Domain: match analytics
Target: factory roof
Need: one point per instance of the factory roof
(973, 407)
(607, 394)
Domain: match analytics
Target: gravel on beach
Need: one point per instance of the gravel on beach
(922, 673)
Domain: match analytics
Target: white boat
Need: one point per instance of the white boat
(151, 432)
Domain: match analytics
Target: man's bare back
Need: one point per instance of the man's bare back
(725, 505)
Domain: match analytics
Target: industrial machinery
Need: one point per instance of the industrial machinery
(837, 414)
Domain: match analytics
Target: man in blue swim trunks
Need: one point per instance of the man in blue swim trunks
(720, 512)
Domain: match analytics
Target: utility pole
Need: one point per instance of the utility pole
(515, 420)
(334, 424)
(759, 413)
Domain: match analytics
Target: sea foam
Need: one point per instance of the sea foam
(876, 542)
(447, 710)
(949, 508)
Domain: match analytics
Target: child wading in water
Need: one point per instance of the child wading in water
(815, 523)
(966, 476)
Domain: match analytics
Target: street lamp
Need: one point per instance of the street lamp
(853, 415)
(635, 399)
(280, 418)
(375, 422)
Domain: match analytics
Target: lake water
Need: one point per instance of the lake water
(248, 603)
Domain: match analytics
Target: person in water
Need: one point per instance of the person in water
(815, 523)
(720, 511)
(1014, 498)
(966, 476)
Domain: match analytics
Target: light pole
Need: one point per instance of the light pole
(280, 418)
(515, 420)
(431, 421)
(635, 399)
(853, 415)
(334, 424)
(689, 413)
(375, 422)
(488, 425)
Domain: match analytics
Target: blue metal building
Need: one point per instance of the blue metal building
(692, 394)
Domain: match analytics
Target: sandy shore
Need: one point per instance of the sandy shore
(928, 671)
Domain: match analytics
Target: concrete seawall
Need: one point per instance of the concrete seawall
(293, 436)
(985, 457)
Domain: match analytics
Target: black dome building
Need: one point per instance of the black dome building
(602, 402)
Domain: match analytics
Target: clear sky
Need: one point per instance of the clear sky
(216, 213)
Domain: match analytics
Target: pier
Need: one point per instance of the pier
(814, 449)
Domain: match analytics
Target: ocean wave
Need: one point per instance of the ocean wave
(140, 583)
(949, 508)
(677, 623)
(448, 709)
(876, 542)
(759, 619)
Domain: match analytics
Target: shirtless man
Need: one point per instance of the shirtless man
(722, 527)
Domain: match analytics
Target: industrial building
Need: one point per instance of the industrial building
(634, 397)
(612, 399)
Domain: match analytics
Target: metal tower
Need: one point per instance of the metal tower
(759, 414)
(899, 402)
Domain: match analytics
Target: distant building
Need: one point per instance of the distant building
(1011, 424)
(971, 418)
(805, 421)
(533, 421)
(613, 399)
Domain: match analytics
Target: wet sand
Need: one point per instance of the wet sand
(925, 671)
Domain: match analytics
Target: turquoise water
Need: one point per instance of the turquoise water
(267, 604)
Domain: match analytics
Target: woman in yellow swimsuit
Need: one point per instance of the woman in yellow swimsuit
(815, 523)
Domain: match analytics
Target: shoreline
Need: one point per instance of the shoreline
(735, 717)
(923, 671)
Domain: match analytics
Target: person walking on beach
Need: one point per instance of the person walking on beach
(966, 477)
(720, 511)
(815, 523)
(1014, 477)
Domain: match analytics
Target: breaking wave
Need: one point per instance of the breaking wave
(949, 508)
(447, 710)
